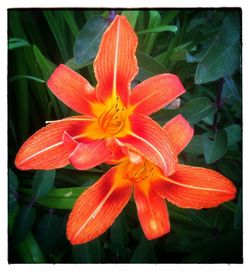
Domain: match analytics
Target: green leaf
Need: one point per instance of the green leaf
(197, 109)
(144, 253)
(119, 237)
(214, 145)
(233, 134)
(132, 16)
(230, 89)
(200, 219)
(18, 77)
(89, 38)
(60, 198)
(24, 221)
(169, 16)
(192, 59)
(12, 190)
(195, 146)
(154, 21)
(91, 252)
(57, 24)
(179, 215)
(50, 233)
(43, 182)
(29, 250)
(223, 56)
(148, 66)
(71, 63)
(71, 21)
(46, 66)
(231, 169)
(158, 29)
(11, 219)
(194, 111)
(179, 52)
(17, 43)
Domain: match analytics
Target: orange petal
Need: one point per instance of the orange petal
(152, 141)
(45, 149)
(156, 92)
(97, 208)
(179, 131)
(152, 211)
(69, 142)
(119, 153)
(72, 89)
(194, 187)
(86, 156)
(115, 65)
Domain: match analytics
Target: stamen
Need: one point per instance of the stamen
(111, 121)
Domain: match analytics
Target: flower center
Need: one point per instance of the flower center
(112, 121)
(140, 172)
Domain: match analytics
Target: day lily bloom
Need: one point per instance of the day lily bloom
(188, 187)
(111, 113)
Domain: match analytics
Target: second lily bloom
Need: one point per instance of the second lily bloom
(188, 187)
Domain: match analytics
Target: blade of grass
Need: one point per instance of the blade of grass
(53, 18)
(169, 16)
(18, 77)
(47, 67)
(29, 250)
(17, 43)
(22, 107)
(71, 22)
(154, 21)
(132, 16)
(59, 198)
(158, 29)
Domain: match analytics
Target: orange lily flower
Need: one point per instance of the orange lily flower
(188, 187)
(112, 113)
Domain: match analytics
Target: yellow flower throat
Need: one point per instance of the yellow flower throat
(112, 121)
(141, 172)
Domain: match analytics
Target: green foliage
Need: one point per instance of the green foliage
(132, 16)
(43, 182)
(60, 198)
(30, 251)
(202, 47)
(144, 252)
(24, 220)
(222, 57)
(148, 66)
(214, 145)
(159, 29)
(16, 43)
(194, 111)
(119, 237)
(12, 190)
(233, 134)
(50, 233)
(88, 40)
(92, 252)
